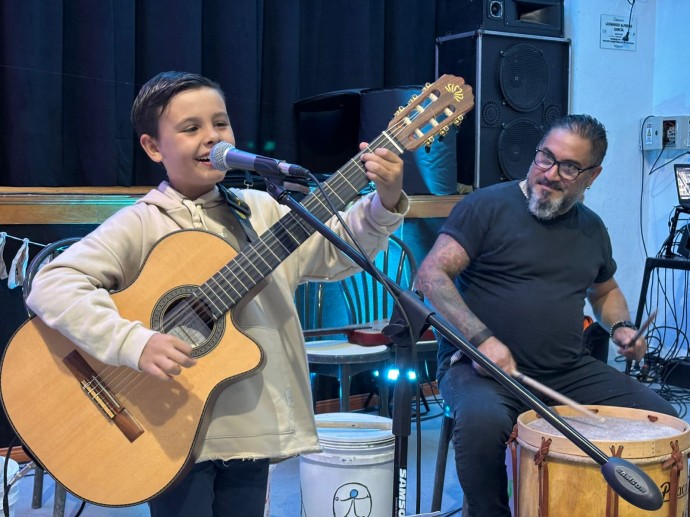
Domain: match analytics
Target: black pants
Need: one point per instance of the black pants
(217, 489)
(485, 413)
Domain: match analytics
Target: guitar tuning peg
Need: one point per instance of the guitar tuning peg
(458, 121)
(411, 100)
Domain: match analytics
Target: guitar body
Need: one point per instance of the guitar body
(75, 441)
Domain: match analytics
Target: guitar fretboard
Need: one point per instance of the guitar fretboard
(227, 287)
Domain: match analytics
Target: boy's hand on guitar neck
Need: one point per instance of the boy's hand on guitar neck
(164, 356)
(385, 169)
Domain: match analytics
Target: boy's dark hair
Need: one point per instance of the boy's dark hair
(155, 95)
(588, 128)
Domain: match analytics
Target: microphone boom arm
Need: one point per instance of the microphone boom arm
(624, 477)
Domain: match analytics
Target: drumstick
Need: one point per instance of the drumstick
(642, 329)
(638, 335)
(556, 396)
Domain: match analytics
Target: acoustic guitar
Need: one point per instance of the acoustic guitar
(118, 447)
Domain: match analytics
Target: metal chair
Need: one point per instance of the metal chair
(441, 459)
(365, 301)
(338, 358)
(48, 253)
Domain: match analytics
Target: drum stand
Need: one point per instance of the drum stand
(409, 320)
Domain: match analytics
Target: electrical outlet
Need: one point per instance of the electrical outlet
(666, 133)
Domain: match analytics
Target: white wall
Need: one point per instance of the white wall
(620, 88)
(671, 97)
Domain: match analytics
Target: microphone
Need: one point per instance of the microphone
(225, 156)
(632, 483)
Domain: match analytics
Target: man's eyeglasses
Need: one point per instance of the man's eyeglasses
(566, 170)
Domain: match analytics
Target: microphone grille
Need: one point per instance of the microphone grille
(218, 155)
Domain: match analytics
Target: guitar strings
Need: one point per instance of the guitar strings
(118, 372)
(315, 199)
(113, 375)
(276, 237)
(179, 316)
(192, 307)
(196, 303)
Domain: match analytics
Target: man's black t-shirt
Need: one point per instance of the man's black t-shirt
(527, 278)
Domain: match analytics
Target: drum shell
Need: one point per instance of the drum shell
(575, 483)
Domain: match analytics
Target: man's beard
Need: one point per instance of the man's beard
(546, 208)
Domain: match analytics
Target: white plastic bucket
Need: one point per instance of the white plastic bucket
(353, 475)
(12, 469)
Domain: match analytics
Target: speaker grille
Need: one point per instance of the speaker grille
(524, 77)
(491, 114)
(516, 145)
(521, 87)
(551, 114)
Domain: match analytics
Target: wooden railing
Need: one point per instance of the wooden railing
(89, 205)
(64, 205)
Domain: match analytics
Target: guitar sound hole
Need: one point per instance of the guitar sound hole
(190, 321)
(182, 314)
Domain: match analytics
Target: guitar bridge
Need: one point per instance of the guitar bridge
(94, 388)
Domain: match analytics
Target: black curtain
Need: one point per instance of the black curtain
(70, 69)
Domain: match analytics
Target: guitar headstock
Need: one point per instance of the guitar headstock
(432, 112)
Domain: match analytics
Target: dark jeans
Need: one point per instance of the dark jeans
(215, 489)
(485, 413)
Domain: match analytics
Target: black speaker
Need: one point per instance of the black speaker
(537, 17)
(326, 128)
(520, 87)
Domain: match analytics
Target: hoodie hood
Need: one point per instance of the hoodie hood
(183, 211)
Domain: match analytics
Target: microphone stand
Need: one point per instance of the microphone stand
(625, 478)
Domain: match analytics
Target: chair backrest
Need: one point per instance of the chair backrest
(359, 298)
(46, 254)
(309, 299)
(367, 299)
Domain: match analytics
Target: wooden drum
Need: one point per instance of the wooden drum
(555, 478)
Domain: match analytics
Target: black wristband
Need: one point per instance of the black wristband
(619, 324)
(480, 337)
